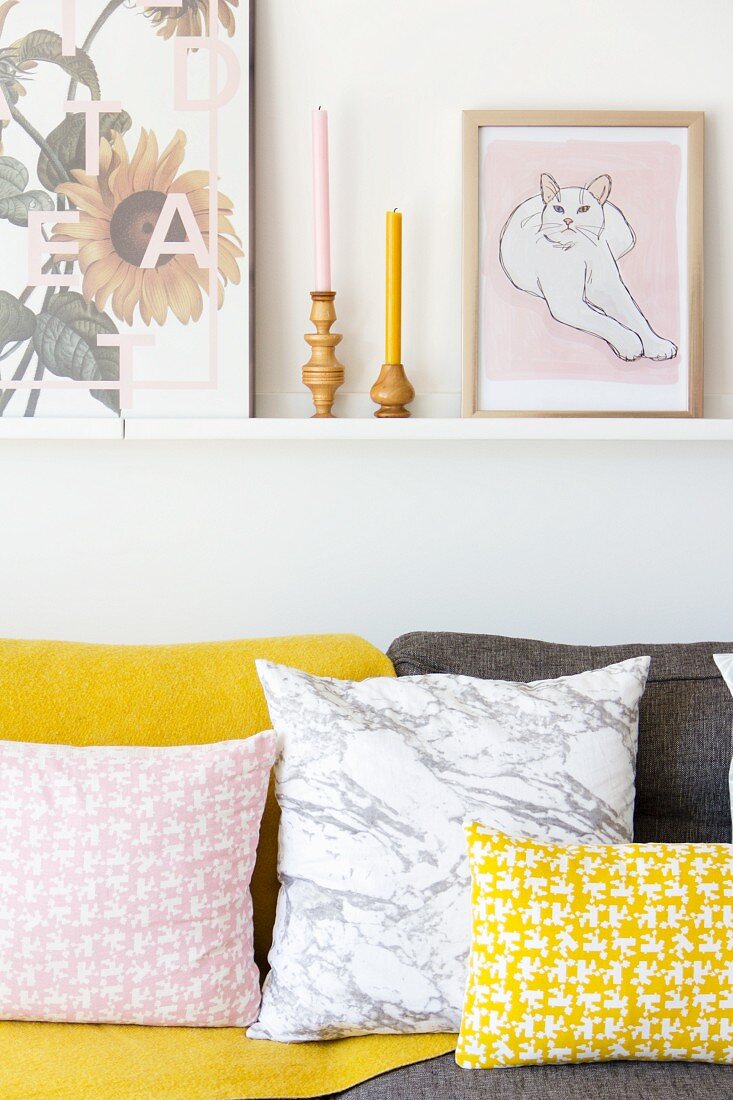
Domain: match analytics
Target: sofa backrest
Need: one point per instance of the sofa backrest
(684, 724)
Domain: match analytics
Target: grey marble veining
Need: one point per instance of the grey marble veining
(375, 780)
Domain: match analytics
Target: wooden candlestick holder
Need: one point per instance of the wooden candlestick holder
(392, 391)
(323, 374)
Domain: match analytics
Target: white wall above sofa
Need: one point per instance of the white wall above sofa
(173, 541)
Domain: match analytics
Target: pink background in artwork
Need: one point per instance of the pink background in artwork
(519, 339)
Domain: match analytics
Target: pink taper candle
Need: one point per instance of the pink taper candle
(321, 200)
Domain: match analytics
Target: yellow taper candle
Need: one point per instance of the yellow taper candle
(394, 288)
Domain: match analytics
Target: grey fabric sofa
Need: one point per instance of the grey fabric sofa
(682, 795)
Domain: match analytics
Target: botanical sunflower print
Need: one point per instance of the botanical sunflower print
(62, 310)
(119, 209)
(192, 17)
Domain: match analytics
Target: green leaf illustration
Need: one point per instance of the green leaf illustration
(68, 142)
(66, 343)
(46, 46)
(15, 201)
(16, 320)
(13, 177)
(15, 208)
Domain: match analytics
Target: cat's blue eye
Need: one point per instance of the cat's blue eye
(559, 209)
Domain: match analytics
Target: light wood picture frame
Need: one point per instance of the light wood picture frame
(583, 263)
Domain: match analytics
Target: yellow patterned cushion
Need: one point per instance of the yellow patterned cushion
(585, 953)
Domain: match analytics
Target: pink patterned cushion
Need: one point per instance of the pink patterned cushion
(124, 882)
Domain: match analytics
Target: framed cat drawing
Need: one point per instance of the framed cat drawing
(583, 266)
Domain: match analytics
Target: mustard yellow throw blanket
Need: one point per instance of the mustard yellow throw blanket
(105, 1062)
(175, 695)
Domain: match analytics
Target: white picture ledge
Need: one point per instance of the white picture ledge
(592, 429)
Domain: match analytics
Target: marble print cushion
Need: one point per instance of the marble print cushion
(724, 661)
(375, 780)
(124, 882)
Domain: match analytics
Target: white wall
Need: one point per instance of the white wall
(174, 541)
(573, 541)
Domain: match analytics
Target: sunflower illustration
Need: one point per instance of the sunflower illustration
(118, 211)
(192, 18)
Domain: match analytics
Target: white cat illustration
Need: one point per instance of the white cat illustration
(563, 245)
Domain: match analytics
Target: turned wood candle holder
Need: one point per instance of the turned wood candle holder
(323, 374)
(392, 391)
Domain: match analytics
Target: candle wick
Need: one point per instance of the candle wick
(395, 210)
